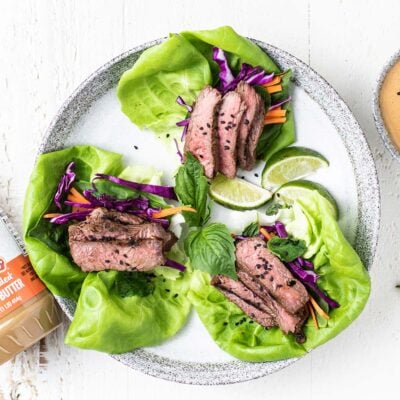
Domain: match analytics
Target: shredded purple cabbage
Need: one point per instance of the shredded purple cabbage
(305, 263)
(247, 73)
(309, 279)
(80, 205)
(178, 151)
(163, 191)
(65, 184)
(274, 106)
(225, 73)
(77, 216)
(183, 103)
(280, 229)
(174, 264)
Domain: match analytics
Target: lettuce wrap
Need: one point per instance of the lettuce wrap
(182, 66)
(106, 318)
(343, 278)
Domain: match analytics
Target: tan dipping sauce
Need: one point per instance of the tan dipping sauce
(389, 101)
(27, 309)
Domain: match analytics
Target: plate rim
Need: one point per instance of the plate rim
(212, 373)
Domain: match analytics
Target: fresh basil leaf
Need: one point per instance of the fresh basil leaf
(191, 188)
(287, 249)
(211, 249)
(273, 208)
(133, 283)
(252, 229)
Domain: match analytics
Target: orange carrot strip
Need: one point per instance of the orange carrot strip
(274, 89)
(318, 309)
(265, 233)
(277, 79)
(171, 211)
(275, 113)
(314, 318)
(78, 196)
(51, 215)
(279, 120)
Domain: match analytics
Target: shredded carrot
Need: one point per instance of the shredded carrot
(279, 120)
(265, 233)
(274, 89)
(277, 79)
(51, 215)
(278, 112)
(171, 211)
(314, 318)
(318, 309)
(78, 197)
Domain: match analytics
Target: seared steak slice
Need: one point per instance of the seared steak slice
(286, 321)
(117, 216)
(253, 257)
(250, 127)
(247, 301)
(116, 240)
(142, 255)
(229, 117)
(201, 139)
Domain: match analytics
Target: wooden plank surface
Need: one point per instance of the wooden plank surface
(48, 47)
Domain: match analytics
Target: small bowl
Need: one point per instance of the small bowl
(380, 125)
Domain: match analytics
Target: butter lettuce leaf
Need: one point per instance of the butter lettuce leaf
(343, 277)
(106, 321)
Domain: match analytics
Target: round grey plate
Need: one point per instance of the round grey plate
(358, 152)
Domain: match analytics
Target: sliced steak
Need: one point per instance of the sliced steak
(142, 255)
(247, 301)
(201, 139)
(249, 129)
(229, 117)
(286, 321)
(253, 257)
(116, 240)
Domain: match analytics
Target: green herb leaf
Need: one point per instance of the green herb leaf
(252, 229)
(273, 208)
(287, 249)
(133, 283)
(191, 188)
(211, 249)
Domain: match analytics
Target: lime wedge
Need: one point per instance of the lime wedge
(290, 164)
(291, 191)
(237, 193)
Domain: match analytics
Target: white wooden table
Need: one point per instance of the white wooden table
(49, 46)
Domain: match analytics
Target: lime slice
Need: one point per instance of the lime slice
(290, 164)
(297, 189)
(238, 193)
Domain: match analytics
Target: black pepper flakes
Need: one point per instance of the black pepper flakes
(246, 121)
(167, 290)
(201, 128)
(226, 147)
(256, 175)
(225, 323)
(208, 125)
(167, 135)
(136, 148)
(176, 295)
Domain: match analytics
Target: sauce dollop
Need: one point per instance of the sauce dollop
(389, 102)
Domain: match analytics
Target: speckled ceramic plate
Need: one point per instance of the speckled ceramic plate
(380, 125)
(323, 121)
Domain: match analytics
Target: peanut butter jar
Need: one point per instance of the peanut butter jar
(28, 311)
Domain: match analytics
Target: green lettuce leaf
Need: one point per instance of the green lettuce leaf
(148, 91)
(45, 243)
(343, 277)
(105, 321)
(211, 249)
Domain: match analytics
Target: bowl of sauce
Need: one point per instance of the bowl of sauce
(387, 105)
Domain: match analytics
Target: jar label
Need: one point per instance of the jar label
(18, 283)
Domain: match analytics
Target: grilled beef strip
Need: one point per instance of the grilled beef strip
(201, 139)
(141, 255)
(286, 321)
(245, 299)
(253, 257)
(249, 129)
(229, 117)
(116, 240)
